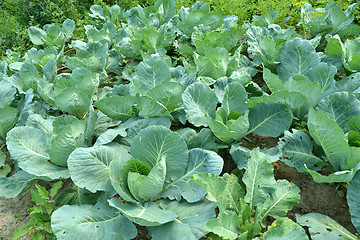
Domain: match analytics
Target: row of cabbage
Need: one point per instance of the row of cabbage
(136, 114)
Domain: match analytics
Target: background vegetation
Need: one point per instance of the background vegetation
(17, 15)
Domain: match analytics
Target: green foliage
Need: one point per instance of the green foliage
(38, 226)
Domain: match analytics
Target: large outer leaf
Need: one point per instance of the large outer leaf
(199, 161)
(37, 121)
(340, 107)
(297, 58)
(199, 102)
(324, 75)
(154, 142)
(149, 214)
(258, 178)
(7, 92)
(349, 84)
(89, 167)
(168, 9)
(301, 84)
(73, 101)
(151, 73)
(225, 225)
(225, 191)
(353, 200)
(66, 142)
(36, 35)
(285, 229)
(130, 129)
(169, 94)
(269, 119)
(214, 64)
(30, 148)
(234, 98)
(329, 136)
(294, 100)
(189, 223)
(282, 200)
(8, 118)
(272, 81)
(296, 148)
(117, 107)
(91, 223)
(322, 227)
(15, 185)
(150, 108)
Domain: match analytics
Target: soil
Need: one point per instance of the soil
(13, 215)
(327, 199)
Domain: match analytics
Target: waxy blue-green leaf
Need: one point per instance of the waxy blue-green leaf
(350, 84)
(269, 119)
(224, 191)
(130, 129)
(29, 76)
(258, 178)
(322, 227)
(329, 136)
(37, 121)
(225, 225)
(297, 57)
(189, 223)
(73, 101)
(199, 102)
(66, 141)
(294, 100)
(68, 27)
(301, 84)
(149, 214)
(117, 107)
(214, 64)
(296, 148)
(353, 198)
(199, 161)
(198, 15)
(85, 80)
(16, 184)
(149, 108)
(8, 118)
(282, 200)
(354, 159)
(150, 73)
(284, 229)
(323, 74)
(154, 142)
(30, 147)
(272, 80)
(167, 9)
(91, 222)
(234, 98)
(7, 94)
(36, 35)
(168, 94)
(89, 167)
(340, 106)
